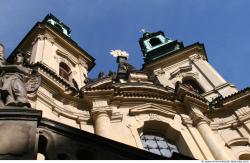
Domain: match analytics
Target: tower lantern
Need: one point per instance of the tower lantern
(52, 20)
(154, 45)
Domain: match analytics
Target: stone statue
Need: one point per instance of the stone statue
(15, 81)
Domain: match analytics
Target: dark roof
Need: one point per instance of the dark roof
(219, 100)
(163, 50)
(51, 16)
(176, 51)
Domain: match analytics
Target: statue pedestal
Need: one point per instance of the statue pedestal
(18, 127)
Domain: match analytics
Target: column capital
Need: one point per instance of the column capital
(97, 111)
(199, 118)
(186, 120)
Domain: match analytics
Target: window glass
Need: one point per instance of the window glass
(158, 144)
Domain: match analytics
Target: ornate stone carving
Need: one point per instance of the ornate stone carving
(159, 72)
(16, 81)
(197, 118)
(153, 116)
(153, 111)
(196, 57)
(44, 36)
(135, 77)
(180, 70)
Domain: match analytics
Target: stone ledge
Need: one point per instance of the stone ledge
(20, 113)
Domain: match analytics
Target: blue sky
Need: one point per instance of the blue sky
(101, 25)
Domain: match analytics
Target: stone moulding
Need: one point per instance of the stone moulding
(180, 70)
(237, 142)
(19, 113)
(152, 108)
(61, 111)
(68, 56)
(240, 95)
(59, 81)
(116, 117)
(97, 83)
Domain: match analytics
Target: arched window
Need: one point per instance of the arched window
(64, 71)
(158, 144)
(193, 85)
(155, 41)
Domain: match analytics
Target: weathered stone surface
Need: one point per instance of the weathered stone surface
(18, 129)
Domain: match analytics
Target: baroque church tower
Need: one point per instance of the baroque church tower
(177, 106)
(170, 61)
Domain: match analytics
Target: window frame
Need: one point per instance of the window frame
(159, 147)
(65, 71)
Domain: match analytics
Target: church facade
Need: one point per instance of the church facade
(177, 103)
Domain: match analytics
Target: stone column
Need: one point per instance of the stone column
(198, 139)
(101, 114)
(102, 123)
(215, 147)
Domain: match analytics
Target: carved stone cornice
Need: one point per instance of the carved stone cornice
(243, 113)
(239, 97)
(237, 142)
(138, 77)
(52, 76)
(68, 57)
(96, 111)
(62, 111)
(44, 36)
(197, 56)
(186, 120)
(116, 117)
(151, 108)
(159, 72)
(184, 94)
(142, 92)
(106, 110)
(98, 84)
(195, 104)
(180, 70)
